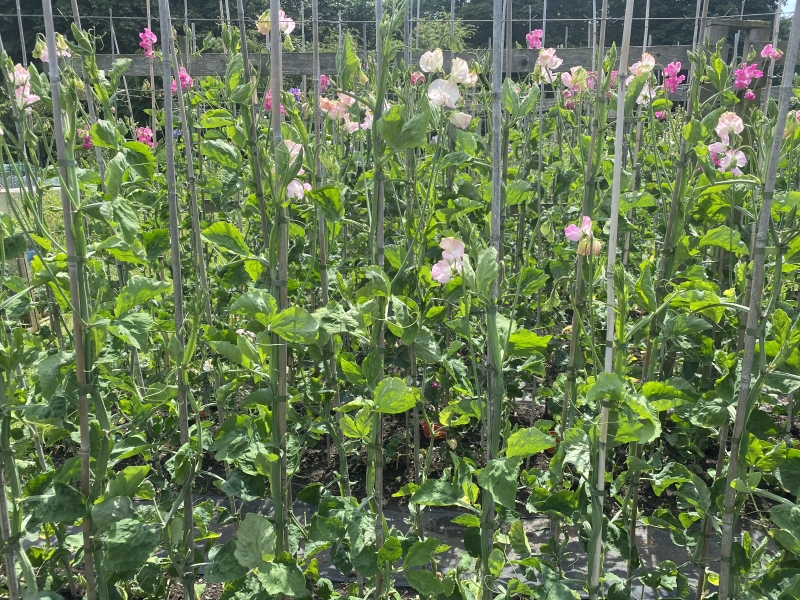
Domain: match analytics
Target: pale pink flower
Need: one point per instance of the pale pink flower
(589, 246)
(20, 75)
(367, 124)
(732, 161)
(295, 190)
(548, 59)
(574, 233)
(346, 100)
(294, 149)
(350, 126)
(452, 260)
(460, 119)
(432, 61)
(337, 111)
(644, 66)
(285, 24)
(444, 93)
(24, 98)
(576, 79)
(729, 122)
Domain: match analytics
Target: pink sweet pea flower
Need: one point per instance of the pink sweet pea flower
(534, 39)
(268, 103)
(770, 51)
(444, 93)
(452, 260)
(185, 80)
(729, 122)
(324, 82)
(644, 66)
(661, 115)
(148, 38)
(145, 136)
(20, 76)
(367, 124)
(345, 99)
(671, 77)
(583, 235)
(295, 190)
(745, 75)
(749, 95)
(417, 78)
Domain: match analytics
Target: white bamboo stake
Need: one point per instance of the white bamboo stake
(619, 134)
(754, 316)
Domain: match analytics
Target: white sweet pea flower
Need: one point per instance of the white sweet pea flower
(432, 61)
(444, 93)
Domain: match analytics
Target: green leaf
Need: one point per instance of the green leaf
(105, 134)
(140, 159)
(296, 325)
(255, 541)
(497, 560)
(328, 200)
(393, 396)
(221, 152)
(156, 243)
(347, 64)
(49, 370)
(391, 551)
(527, 442)
(138, 291)
(115, 171)
(224, 565)
(673, 473)
(132, 329)
(526, 343)
(110, 511)
(65, 505)
(486, 271)
(421, 553)
(218, 117)
(226, 236)
(726, 238)
(129, 544)
(256, 304)
(401, 133)
(282, 577)
(241, 485)
(425, 582)
(519, 539)
(644, 288)
(127, 481)
(436, 492)
(499, 478)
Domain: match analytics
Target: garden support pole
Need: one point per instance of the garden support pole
(771, 70)
(153, 115)
(278, 480)
(494, 366)
(177, 281)
(754, 315)
(22, 37)
(77, 297)
(616, 188)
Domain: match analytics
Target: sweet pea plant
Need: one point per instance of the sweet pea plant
(318, 297)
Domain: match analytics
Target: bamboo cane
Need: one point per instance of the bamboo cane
(80, 311)
(177, 279)
(771, 70)
(754, 315)
(600, 469)
(279, 284)
(494, 366)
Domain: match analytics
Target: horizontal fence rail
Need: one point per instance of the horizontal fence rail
(301, 63)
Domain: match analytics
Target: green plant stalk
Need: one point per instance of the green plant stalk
(73, 230)
(754, 316)
(249, 117)
(177, 278)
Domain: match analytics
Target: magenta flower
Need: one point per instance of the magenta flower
(324, 82)
(417, 78)
(268, 103)
(534, 39)
(745, 76)
(185, 80)
(770, 51)
(452, 260)
(86, 139)
(749, 95)
(661, 115)
(671, 77)
(148, 39)
(145, 136)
